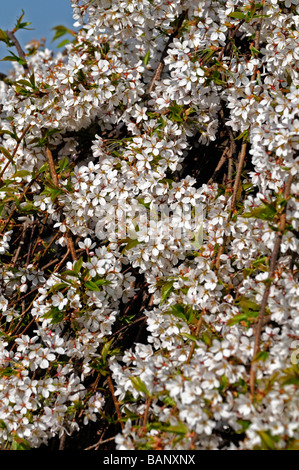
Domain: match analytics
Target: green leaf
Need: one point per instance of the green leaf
(32, 80)
(19, 444)
(249, 311)
(169, 401)
(52, 191)
(69, 272)
(90, 285)
(268, 441)
(24, 82)
(55, 315)
(102, 282)
(78, 265)
(191, 337)
(14, 58)
(63, 43)
(4, 37)
(2, 424)
(206, 338)
(146, 58)
(7, 371)
(7, 155)
(106, 349)
(131, 243)
(63, 163)
(166, 291)
(237, 319)
(237, 14)
(243, 135)
(261, 356)
(291, 376)
(43, 168)
(265, 212)
(254, 51)
(260, 261)
(21, 173)
(145, 204)
(139, 385)
(178, 310)
(12, 134)
(20, 24)
(95, 285)
(246, 305)
(180, 428)
(61, 31)
(58, 286)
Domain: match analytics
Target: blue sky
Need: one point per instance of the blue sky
(43, 14)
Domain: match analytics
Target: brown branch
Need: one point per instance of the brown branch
(15, 149)
(15, 207)
(116, 404)
(20, 51)
(146, 412)
(236, 187)
(58, 266)
(20, 246)
(242, 154)
(62, 441)
(71, 245)
(198, 327)
(54, 178)
(100, 442)
(160, 66)
(53, 173)
(225, 49)
(221, 162)
(29, 252)
(272, 267)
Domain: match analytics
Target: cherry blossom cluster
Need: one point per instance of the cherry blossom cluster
(123, 272)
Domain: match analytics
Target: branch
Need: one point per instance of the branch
(160, 67)
(54, 177)
(273, 261)
(15, 150)
(116, 404)
(241, 161)
(198, 327)
(20, 51)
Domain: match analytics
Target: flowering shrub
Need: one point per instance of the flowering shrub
(149, 229)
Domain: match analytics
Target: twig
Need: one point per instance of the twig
(54, 178)
(198, 327)
(15, 149)
(20, 51)
(236, 187)
(57, 267)
(116, 404)
(30, 245)
(97, 444)
(70, 245)
(20, 246)
(160, 66)
(62, 442)
(231, 36)
(221, 162)
(53, 173)
(15, 208)
(145, 416)
(242, 156)
(273, 261)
